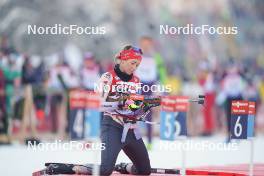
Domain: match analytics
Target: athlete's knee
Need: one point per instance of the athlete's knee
(144, 172)
(106, 170)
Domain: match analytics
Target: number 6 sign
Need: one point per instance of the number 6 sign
(242, 119)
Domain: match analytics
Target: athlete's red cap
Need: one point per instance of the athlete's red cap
(132, 53)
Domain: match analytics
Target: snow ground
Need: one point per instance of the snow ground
(17, 159)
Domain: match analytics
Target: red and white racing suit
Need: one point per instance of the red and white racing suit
(109, 86)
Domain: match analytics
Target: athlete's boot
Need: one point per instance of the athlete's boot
(122, 168)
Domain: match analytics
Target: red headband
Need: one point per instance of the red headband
(129, 54)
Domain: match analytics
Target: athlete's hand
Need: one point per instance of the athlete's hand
(134, 105)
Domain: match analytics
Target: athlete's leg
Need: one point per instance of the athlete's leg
(138, 154)
(111, 133)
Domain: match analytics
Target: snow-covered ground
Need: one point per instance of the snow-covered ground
(207, 151)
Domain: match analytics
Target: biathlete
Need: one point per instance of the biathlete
(117, 132)
(119, 122)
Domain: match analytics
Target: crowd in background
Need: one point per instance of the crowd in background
(222, 67)
(220, 82)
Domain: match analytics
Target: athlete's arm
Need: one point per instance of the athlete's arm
(104, 85)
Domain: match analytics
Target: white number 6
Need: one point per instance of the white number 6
(238, 127)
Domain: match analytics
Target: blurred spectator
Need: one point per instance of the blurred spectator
(29, 114)
(220, 100)
(174, 81)
(251, 92)
(90, 72)
(61, 79)
(34, 98)
(150, 72)
(192, 88)
(233, 86)
(260, 110)
(12, 80)
(207, 81)
(5, 47)
(3, 115)
(30, 75)
(261, 88)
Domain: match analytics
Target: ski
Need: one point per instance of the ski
(165, 171)
(45, 171)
